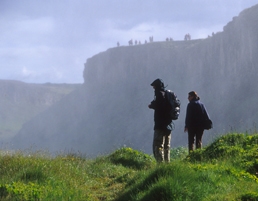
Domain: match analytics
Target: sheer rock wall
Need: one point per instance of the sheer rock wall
(110, 110)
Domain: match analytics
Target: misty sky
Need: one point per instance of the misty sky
(49, 40)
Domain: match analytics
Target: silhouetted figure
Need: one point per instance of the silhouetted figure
(196, 115)
(146, 42)
(163, 126)
(187, 37)
(130, 42)
(118, 44)
(135, 42)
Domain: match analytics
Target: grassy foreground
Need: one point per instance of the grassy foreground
(227, 169)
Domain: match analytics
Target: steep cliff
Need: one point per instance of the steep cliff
(110, 110)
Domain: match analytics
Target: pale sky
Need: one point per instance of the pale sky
(50, 40)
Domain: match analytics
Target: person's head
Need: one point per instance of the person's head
(158, 84)
(193, 95)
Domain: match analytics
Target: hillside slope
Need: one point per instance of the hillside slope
(224, 170)
(21, 101)
(110, 110)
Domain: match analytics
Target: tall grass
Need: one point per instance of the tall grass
(227, 169)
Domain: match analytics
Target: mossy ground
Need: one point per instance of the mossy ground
(227, 169)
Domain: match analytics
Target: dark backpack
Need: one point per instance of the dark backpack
(172, 105)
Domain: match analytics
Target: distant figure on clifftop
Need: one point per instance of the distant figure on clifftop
(130, 42)
(187, 37)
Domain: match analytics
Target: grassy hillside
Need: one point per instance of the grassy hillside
(22, 101)
(227, 169)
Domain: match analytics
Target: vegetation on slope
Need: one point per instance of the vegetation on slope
(22, 101)
(227, 169)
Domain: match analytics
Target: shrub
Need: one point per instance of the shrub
(250, 196)
(131, 158)
(178, 153)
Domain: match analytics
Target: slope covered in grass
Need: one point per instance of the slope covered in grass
(224, 170)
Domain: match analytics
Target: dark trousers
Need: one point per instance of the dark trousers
(195, 135)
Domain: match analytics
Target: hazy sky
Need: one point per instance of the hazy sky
(50, 40)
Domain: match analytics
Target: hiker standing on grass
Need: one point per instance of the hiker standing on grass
(194, 121)
(163, 127)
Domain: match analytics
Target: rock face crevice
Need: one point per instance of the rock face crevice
(110, 110)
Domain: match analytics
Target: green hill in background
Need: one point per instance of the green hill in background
(21, 101)
(227, 169)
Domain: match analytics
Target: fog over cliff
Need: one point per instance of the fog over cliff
(110, 109)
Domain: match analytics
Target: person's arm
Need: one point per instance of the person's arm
(158, 100)
(152, 104)
(187, 117)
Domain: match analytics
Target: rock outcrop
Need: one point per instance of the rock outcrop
(110, 110)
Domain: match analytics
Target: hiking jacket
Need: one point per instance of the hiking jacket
(160, 114)
(195, 114)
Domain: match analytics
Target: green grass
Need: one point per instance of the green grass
(227, 169)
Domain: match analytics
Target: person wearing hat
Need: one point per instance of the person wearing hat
(162, 126)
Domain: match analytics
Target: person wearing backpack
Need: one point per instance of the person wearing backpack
(195, 121)
(163, 124)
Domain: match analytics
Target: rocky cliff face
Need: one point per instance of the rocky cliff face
(110, 110)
